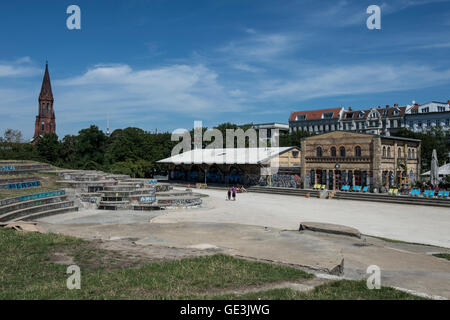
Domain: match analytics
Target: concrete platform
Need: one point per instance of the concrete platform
(330, 228)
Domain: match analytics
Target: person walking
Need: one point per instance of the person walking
(233, 191)
(229, 194)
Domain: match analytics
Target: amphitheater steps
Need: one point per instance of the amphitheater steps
(30, 203)
(20, 214)
(47, 213)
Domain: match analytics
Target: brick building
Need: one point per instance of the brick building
(45, 120)
(349, 158)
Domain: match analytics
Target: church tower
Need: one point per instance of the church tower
(45, 120)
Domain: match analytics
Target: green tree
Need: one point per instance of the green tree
(48, 148)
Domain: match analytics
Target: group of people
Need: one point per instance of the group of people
(231, 192)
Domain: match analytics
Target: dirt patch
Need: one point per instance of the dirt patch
(116, 254)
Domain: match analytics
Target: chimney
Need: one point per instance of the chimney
(448, 101)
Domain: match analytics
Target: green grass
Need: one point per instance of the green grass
(336, 290)
(442, 255)
(28, 271)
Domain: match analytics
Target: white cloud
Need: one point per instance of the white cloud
(355, 79)
(18, 68)
(127, 93)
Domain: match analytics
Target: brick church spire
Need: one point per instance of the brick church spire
(45, 120)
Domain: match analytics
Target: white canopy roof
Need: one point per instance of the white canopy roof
(227, 156)
(443, 170)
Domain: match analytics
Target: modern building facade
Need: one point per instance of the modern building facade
(45, 120)
(272, 129)
(359, 159)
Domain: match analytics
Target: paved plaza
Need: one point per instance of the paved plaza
(265, 227)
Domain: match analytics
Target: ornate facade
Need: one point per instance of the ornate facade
(357, 159)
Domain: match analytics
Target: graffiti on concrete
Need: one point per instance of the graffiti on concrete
(22, 185)
(147, 199)
(152, 181)
(285, 180)
(8, 168)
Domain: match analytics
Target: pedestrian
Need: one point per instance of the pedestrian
(229, 194)
(233, 191)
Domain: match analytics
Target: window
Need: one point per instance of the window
(342, 151)
(419, 124)
(384, 152)
(428, 123)
(295, 154)
(441, 109)
(301, 117)
(333, 151)
(399, 152)
(43, 126)
(328, 115)
(361, 114)
(413, 156)
(358, 151)
(409, 153)
(425, 110)
(447, 122)
(319, 152)
(389, 152)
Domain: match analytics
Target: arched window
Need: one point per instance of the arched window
(333, 151)
(43, 126)
(319, 152)
(399, 152)
(384, 152)
(357, 151)
(413, 154)
(342, 151)
(389, 152)
(409, 153)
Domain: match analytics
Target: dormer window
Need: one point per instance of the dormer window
(396, 112)
(301, 117)
(361, 114)
(327, 115)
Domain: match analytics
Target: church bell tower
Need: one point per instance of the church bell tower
(45, 120)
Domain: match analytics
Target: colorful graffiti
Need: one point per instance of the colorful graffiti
(285, 180)
(8, 168)
(42, 195)
(147, 199)
(24, 185)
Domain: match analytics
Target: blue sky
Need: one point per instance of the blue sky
(163, 64)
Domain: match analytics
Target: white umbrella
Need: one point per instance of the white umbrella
(434, 173)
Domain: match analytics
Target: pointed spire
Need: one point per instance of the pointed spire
(46, 89)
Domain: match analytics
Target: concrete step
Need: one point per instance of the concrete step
(18, 214)
(30, 203)
(47, 213)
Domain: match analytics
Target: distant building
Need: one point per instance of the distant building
(45, 120)
(382, 121)
(342, 158)
(316, 121)
(426, 116)
(271, 129)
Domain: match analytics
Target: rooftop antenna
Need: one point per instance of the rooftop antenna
(107, 124)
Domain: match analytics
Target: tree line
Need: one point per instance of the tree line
(135, 152)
